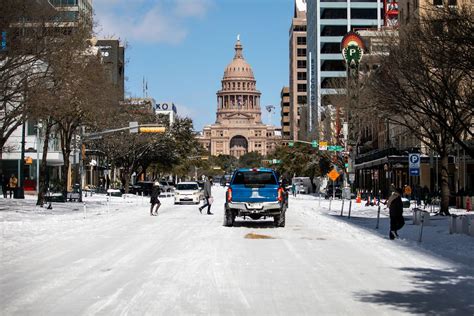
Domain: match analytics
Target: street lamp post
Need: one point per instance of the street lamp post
(38, 127)
(20, 192)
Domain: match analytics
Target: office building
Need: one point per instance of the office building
(285, 113)
(298, 72)
(327, 22)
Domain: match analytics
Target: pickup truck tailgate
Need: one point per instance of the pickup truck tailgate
(242, 193)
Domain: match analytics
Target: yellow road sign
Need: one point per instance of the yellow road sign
(149, 129)
(333, 175)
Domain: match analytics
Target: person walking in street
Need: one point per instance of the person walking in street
(4, 183)
(12, 184)
(395, 206)
(154, 200)
(207, 195)
(293, 189)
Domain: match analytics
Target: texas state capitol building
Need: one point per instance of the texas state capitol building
(238, 128)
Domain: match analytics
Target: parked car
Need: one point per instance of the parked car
(140, 187)
(225, 180)
(166, 186)
(187, 192)
(337, 193)
(303, 185)
(255, 193)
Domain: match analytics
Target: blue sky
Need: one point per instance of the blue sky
(183, 46)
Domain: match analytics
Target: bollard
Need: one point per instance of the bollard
(464, 225)
(342, 207)
(378, 218)
(142, 198)
(108, 204)
(350, 207)
(319, 199)
(85, 210)
(452, 224)
(330, 201)
(422, 225)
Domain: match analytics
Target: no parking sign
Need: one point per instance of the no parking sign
(414, 164)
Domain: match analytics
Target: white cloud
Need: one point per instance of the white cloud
(141, 21)
(192, 8)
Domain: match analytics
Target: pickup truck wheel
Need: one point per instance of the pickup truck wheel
(276, 220)
(229, 218)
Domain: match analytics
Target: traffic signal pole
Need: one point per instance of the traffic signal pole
(133, 127)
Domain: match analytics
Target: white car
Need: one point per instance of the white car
(187, 192)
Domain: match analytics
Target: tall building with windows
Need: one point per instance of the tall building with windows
(72, 12)
(238, 128)
(285, 113)
(327, 22)
(298, 72)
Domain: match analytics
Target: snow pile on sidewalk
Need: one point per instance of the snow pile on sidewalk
(435, 238)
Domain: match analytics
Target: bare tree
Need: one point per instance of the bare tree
(424, 83)
(28, 26)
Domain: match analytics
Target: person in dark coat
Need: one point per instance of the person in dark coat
(154, 200)
(4, 183)
(207, 195)
(396, 213)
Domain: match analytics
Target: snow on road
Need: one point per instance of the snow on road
(121, 261)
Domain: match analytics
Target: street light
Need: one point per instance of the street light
(38, 127)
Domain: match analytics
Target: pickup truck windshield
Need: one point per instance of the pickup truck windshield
(254, 177)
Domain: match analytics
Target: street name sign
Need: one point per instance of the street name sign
(323, 145)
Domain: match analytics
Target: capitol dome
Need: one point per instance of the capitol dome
(238, 68)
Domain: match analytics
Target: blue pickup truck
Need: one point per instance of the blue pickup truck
(255, 193)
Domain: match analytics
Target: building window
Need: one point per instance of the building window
(363, 14)
(299, 28)
(334, 30)
(331, 48)
(302, 76)
(334, 14)
(301, 87)
(301, 40)
(31, 128)
(301, 64)
(301, 52)
(302, 99)
(437, 2)
(333, 65)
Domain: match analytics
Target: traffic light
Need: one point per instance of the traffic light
(314, 144)
(151, 129)
(346, 161)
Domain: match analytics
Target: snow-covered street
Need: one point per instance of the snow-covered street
(119, 260)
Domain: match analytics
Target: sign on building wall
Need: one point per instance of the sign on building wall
(391, 13)
(352, 47)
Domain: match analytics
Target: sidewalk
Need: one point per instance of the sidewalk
(435, 238)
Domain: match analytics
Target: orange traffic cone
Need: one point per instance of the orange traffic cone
(358, 199)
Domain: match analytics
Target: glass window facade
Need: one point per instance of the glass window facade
(327, 22)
